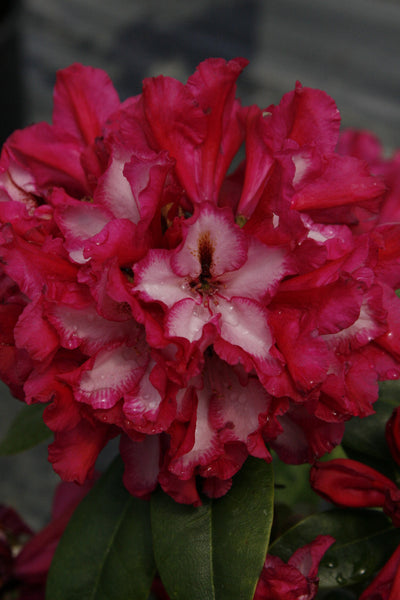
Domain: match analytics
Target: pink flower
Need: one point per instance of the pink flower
(366, 146)
(217, 277)
(295, 579)
(200, 314)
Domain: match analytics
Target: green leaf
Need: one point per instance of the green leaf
(105, 552)
(26, 430)
(364, 439)
(242, 521)
(182, 547)
(365, 539)
(292, 483)
(337, 594)
(367, 435)
(389, 392)
(215, 551)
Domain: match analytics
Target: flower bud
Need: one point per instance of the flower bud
(350, 483)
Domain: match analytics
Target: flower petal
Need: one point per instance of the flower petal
(211, 232)
(187, 318)
(244, 323)
(141, 460)
(76, 101)
(84, 327)
(108, 375)
(155, 279)
(259, 275)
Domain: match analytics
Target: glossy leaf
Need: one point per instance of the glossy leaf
(367, 435)
(364, 439)
(215, 551)
(182, 542)
(242, 523)
(338, 594)
(26, 431)
(292, 483)
(389, 392)
(105, 552)
(365, 540)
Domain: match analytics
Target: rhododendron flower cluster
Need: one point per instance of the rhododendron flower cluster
(202, 302)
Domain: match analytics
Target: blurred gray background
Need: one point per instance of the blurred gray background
(349, 48)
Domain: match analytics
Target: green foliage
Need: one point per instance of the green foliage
(364, 439)
(215, 551)
(114, 543)
(26, 431)
(105, 552)
(364, 538)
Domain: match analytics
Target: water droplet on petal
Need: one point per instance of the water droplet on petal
(392, 374)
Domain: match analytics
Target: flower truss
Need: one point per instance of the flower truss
(200, 311)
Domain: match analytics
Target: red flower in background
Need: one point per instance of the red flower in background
(199, 313)
(296, 579)
(347, 482)
(25, 557)
(350, 483)
(386, 585)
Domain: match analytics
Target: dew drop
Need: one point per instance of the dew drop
(197, 311)
(392, 374)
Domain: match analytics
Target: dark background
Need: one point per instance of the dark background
(349, 48)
